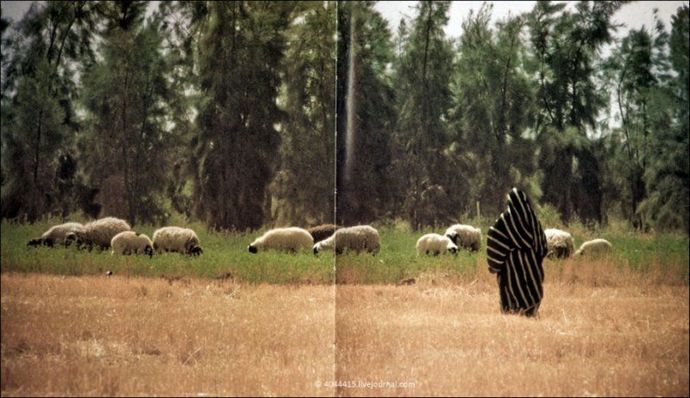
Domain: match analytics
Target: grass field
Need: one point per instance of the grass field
(233, 323)
(225, 255)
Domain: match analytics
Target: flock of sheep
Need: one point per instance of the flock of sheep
(114, 233)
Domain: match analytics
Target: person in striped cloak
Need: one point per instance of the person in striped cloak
(515, 249)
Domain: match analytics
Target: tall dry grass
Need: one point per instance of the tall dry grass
(119, 336)
(601, 330)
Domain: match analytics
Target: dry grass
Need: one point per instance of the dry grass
(602, 330)
(118, 336)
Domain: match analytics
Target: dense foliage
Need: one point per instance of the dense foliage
(245, 114)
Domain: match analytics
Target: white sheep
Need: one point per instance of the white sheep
(57, 234)
(465, 236)
(292, 239)
(559, 243)
(435, 244)
(176, 239)
(98, 233)
(594, 247)
(130, 242)
(357, 238)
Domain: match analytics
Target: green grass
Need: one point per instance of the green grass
(226, 255)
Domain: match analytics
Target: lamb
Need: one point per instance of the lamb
(97, 233)
(594, 247)
(559, 243)
(56, 234)
(465, 236)
(130, 242)
(292, 239)
(435, 244)
(322, 231)
(357, 238)
(176, 239)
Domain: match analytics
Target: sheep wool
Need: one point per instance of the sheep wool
(596, 247)
(176, 239)
(358, 238)
(322, 231)
(435, 244)
(130, 242)
(559, 243)
(57, 234)
(465, 236)
(292, 239)
(99, 233)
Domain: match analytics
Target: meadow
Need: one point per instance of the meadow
(233, 323)
(226, 256)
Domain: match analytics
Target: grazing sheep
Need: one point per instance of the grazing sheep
(435, 244)
(322, 231)
(594, 247)
(130, 242)
(176, 239)
(56, 234)
(559, 243)
(292, 239)
(465, 236)
(97, 233)
(357, 238)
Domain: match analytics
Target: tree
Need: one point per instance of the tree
(493, 106)
(126, 95)
(422, 165)
(666, 178)
(565, 48)
(364, 153)
(303, 188)
(38, 90)
(240, 53)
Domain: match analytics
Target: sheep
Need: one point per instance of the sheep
(594, 247)
(322, 231)
(357, 238)
(130, 242)
(176, 239)
(465, 236)
(435, 244)
(56, 234)
(97, 233)
(559, 243)
(292, 239)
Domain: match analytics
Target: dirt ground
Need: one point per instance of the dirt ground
(136, 336)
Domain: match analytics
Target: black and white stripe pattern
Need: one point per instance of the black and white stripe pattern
(515, 248)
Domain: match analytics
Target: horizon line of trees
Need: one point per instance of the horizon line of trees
(242, 114)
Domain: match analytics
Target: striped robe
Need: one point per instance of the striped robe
(515, 248)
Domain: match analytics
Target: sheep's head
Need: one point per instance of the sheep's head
(453, 236)
(72, 237)
(252, 249)
(35, 242)
(148, 250)
(452, 248)
(195, 250)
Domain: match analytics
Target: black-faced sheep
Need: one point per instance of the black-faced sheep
(292, 239)
(130, 242)
(435, 244)
(559, 243)
(176, 239)
(322, 231)
(97, 233)
(56, 234)
(358, 238)
(595, 247)
(465, 236)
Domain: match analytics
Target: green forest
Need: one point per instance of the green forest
(241, 115)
